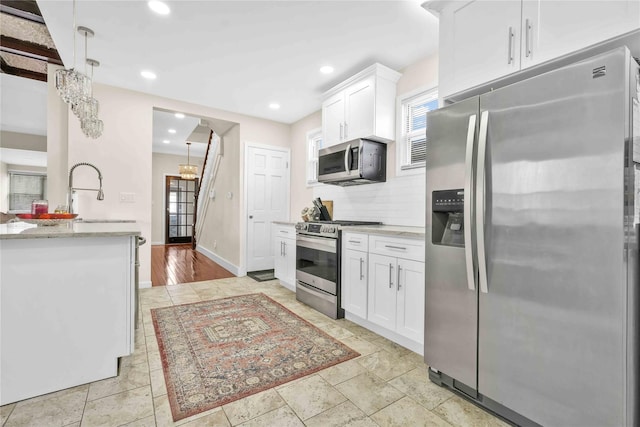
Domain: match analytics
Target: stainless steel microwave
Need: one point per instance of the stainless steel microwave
(360, 161)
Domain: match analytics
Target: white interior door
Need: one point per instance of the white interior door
(267, 201)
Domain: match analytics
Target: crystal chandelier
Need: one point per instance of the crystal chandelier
(76, 89)
(188, 171)
(71, 84)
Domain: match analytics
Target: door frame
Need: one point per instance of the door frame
(245, 187)
(165, 222)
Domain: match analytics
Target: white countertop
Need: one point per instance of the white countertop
(285, 222)
(23, 230)
(392, 230)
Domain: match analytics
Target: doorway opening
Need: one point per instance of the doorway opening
(180, 207)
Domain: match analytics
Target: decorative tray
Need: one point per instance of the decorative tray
(47, 219)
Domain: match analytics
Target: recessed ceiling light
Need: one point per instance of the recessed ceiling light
(180, 115)
(159, 7)
(166, 141)
(274, 106)
(148, 74)
(327, 69)
(172, 131)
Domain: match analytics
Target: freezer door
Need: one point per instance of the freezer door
(450, 343)
(552, 323)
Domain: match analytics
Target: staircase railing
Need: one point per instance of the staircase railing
(207, 180)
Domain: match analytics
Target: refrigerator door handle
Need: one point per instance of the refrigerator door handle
(468, 200)
(480, 201)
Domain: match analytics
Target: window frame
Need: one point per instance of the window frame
(423, 94)
(10, 175)
(313, 143)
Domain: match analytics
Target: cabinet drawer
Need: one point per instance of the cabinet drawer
(397, 247)
(356, 241)
(284, 231)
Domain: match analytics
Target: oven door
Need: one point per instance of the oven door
(317, 262)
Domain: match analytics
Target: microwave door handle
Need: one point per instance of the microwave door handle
(347, 163)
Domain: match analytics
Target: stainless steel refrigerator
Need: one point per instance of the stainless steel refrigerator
(532, 290)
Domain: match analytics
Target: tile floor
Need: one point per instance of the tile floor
(386, 386)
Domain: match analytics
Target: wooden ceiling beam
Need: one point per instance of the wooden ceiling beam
(26, 9)
(14, 71)
(34, 49)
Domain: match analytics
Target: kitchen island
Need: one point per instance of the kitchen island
(67, 305)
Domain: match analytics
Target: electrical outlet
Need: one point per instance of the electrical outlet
(127, 197)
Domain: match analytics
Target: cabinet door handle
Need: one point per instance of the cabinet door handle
(361, 263)
(398, 281)
(341, 137)
(395, 247)
(346, 130)
(510, 53)
(527, 38)
(284, 248)
(390, 275)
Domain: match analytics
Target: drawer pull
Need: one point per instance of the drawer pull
(355, 242)
(395, 247)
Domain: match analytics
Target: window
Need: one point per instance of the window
(314, 143)
(25, 187)
(413, 139)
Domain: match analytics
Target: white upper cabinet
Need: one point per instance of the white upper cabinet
(484, 43)
(483, 40)
(555, 28)
(361, 107)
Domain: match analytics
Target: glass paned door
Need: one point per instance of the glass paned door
(180, 207)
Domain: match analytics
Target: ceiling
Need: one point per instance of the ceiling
(240, 56)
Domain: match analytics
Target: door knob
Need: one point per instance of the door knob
(250, 216)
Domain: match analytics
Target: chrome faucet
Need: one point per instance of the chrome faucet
(72, 189)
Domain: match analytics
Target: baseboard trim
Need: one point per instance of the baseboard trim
(390, 335)
(158, 243)
(145, 284)
(219, 260)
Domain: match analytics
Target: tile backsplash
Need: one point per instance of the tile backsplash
(399, 201)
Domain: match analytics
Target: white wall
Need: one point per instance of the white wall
(123, 154)
(4, 188)
(163, 165)
(301, 194)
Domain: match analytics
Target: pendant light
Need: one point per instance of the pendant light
(188, 171)
(71, 84)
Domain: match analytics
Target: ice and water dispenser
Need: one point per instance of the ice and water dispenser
(448, 217)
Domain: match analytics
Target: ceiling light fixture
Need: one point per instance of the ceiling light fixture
(159, 7)
(71, 84)
(171, 131)
(180, 115)
(86, 109)
(188, 171)
(148, 74)
(274, 106)
(327, 69)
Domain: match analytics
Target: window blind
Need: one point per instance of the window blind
(416, 126)
(25, 188)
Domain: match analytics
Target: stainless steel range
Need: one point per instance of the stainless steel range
(318, 264)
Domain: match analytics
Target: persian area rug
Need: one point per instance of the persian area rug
(215, 352)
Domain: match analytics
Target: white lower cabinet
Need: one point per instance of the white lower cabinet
(284, 255)
(396, 295)
(383, 286)
(354, 273)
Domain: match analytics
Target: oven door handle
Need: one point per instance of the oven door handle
(319, 243)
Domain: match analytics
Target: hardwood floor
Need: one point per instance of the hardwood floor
(174, 264)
